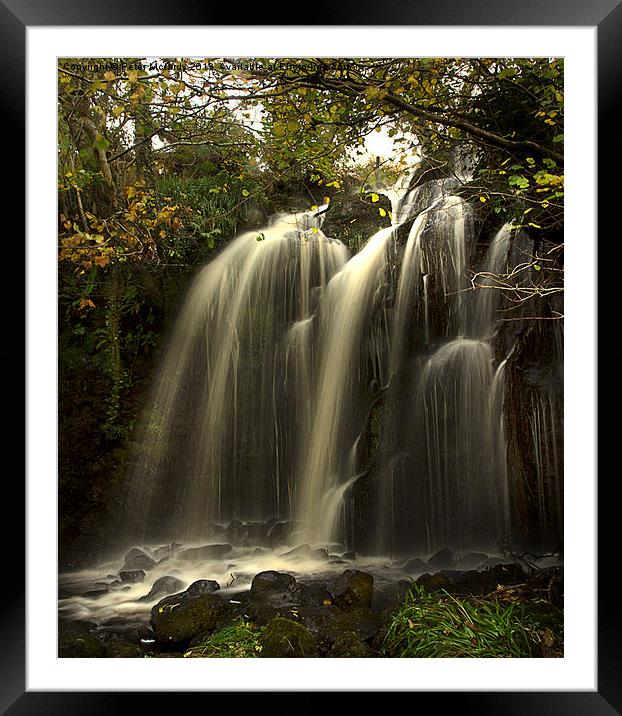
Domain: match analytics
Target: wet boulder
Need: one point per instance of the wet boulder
(416, 566)
(137, 559)
(473, 560)
(95, 593)
(271, 585)
(352, 589)
(443, 559)
(319, 554)
(301, 552)
(177, 619)
(279, 533)
(163, 586)
(131, 576)
(203, 586)
(331, 625)
(206, 553)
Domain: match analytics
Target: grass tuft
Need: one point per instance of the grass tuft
(239, 640)
(437, 624)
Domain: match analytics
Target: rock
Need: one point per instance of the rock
(337, 561)
(473, 560)
(330, 624)
(203, 586)
(350, 646)
(300, 552)
(137, 559)
(124, 651)
(207, 552)
(319, 554)
(258, 550)
(272, 585)
(416, 566)
(161, 552)
(255, 533)
(163, 586)
(235, 532)
(286, 638)
(177, 619)
(472, 581)
(279, 533)
(132, 576)
(78, 646)
(434, 582)
(443, 559)
(316, 595)
(352, 589)
(349, 556)
(95, 593)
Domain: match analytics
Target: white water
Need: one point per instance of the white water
(283, 344)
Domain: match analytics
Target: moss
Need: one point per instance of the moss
(177, 620)
(79, 646)
(349, 645)
(285, 638)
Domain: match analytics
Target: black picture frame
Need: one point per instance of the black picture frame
(606, 15)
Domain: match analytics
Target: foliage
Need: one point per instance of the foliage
(437, 624)
(237, 640)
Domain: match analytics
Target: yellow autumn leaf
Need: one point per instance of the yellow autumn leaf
(382, 212)
(375, 198)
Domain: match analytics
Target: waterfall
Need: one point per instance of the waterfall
(211, 447)
(442, 471)
(344, 314)
(287, 350)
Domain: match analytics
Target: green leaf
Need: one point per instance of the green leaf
(101, 144)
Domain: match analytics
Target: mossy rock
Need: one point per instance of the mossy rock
(285, 638)
(330, 625)
(352, 590)
(125, 651)
(176, 620)
(81, 646)
(349, 645)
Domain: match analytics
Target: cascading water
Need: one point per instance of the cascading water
(216, 435)
(282, 346)
(442, 473)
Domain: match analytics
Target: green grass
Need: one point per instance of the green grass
(237, 640)
(437, 624)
